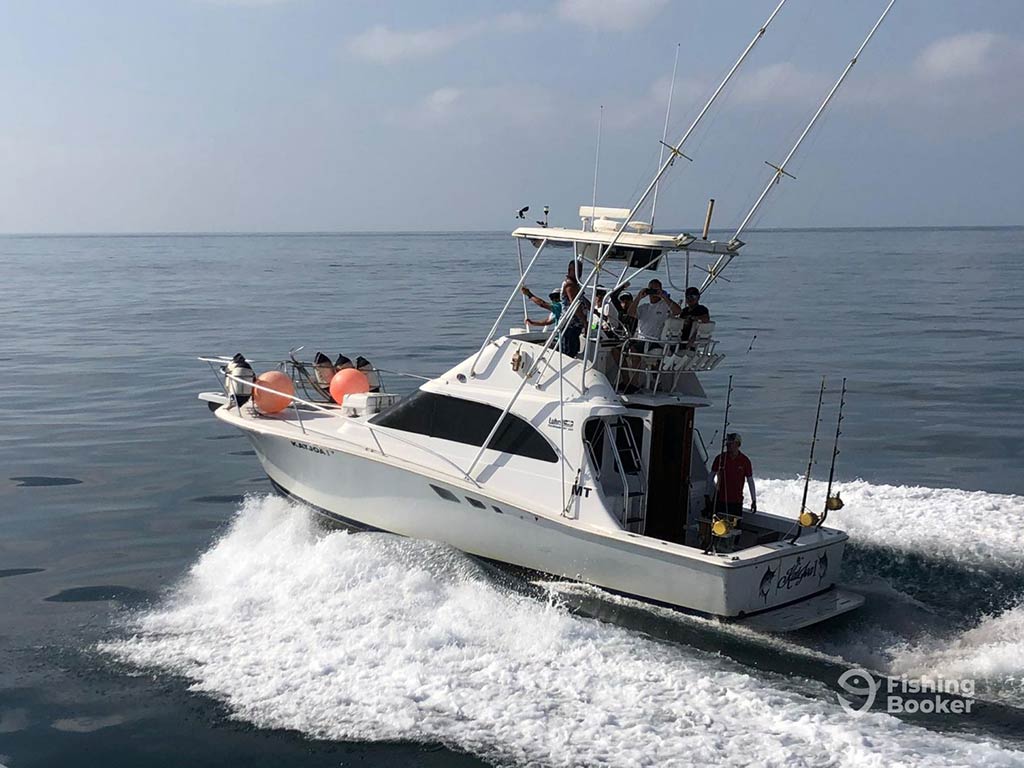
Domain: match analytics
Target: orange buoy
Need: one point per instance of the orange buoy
(348, 381)
(280, 398)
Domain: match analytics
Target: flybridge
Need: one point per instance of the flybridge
(561, 236)
(605, 235)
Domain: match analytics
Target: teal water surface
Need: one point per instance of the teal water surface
(115, 477)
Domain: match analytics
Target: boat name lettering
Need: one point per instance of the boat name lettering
(312, 448)
(797, 573)
(560, 423)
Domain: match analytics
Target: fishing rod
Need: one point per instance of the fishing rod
(804, 517)
(720, 526)
(834, 502)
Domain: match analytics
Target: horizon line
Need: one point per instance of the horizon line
(428, 232)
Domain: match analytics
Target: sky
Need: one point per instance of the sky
(346, 115)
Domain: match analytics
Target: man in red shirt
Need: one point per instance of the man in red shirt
(731, 469)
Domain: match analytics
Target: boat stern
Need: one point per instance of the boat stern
(790, 584)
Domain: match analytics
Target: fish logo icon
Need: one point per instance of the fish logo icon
(822, 566)
(766, 584)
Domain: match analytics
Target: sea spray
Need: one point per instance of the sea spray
(978, 528)
(374, 637)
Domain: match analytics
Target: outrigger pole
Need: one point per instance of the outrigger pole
(664, 165)
(569, 312)
(780, 170)
(674, 151)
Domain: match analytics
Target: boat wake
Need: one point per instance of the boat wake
(374, 637)
(975, 528)
(943, 571)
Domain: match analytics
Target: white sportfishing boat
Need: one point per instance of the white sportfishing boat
(589, 468)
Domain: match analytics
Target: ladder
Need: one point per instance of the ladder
(631, 470)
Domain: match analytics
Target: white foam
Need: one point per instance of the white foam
(991, 654)
(371, 637)
(973, 526)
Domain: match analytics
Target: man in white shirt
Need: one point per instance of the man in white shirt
(651, 314)
(650, 319)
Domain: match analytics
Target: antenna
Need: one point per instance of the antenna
(664, 132)
(834, 502)
(780, 170)
(597, 163)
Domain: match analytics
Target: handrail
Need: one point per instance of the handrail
(224, 360)
(501, 315)
(333, 411)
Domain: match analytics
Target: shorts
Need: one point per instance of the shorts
(570, 341)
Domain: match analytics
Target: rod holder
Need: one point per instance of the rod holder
(707, 219)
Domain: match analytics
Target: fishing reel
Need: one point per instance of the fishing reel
(722, 526)
(834, 503)
(809, 519)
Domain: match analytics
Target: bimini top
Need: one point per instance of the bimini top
(601, 226)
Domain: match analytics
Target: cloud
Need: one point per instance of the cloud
(610, 14)
(519, 106)
(969, 55)
(956, 85)
(442, 102)
(385, 45)
(782, 83)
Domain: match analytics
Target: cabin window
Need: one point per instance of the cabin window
(445, 494)
(464, 421)
(593, 435)
(594, 432)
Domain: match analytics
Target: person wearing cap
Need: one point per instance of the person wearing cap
(731, 469)
(605, 314)
(553, 305)
(649, 317)
(693, 311)
(622, 300)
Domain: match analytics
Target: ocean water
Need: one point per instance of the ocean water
(159, 606)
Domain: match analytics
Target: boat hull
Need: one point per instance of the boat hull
(363, 492)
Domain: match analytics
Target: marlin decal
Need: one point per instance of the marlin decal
(766, 584)
(822, 566)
